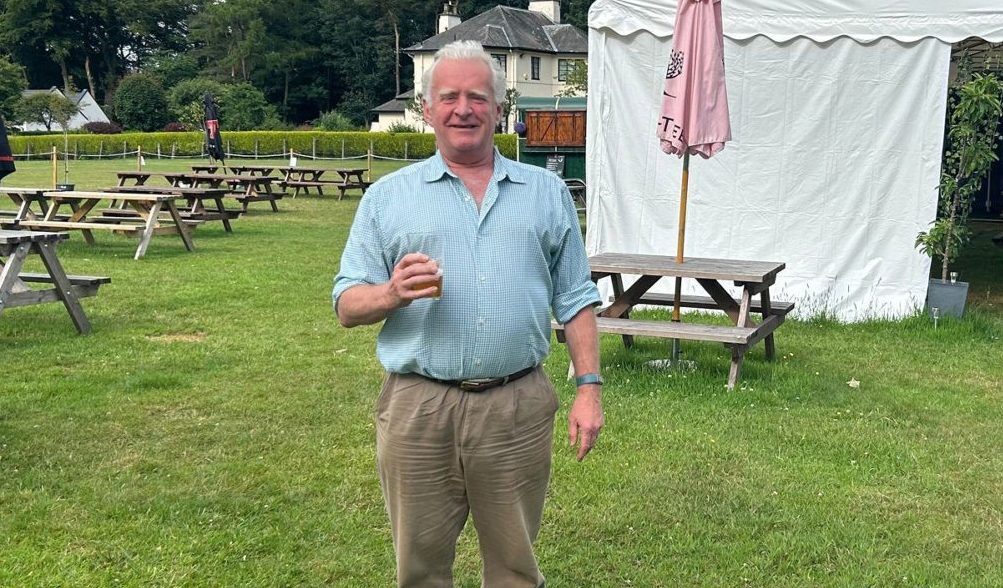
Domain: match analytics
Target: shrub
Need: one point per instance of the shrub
(335, 121)
(175, 127)
(184, 94)
(244, 107)
(401, 127)
(141, 103)
(102, 128)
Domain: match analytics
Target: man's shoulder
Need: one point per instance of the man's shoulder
(407, 175)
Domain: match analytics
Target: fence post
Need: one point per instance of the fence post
(76, 150)
(369, 176)
(125, 147)
(285, 148)
(174, 148)
(158, 149)
(315, 147)
(139, 158)
(100, 148)
(228, 152)
(255, 148)
(55, 165)
(343, 149)
(405, 149)
(27, 154)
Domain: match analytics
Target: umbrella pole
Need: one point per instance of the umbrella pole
(676, 302)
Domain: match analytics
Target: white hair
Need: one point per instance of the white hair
(466, 51)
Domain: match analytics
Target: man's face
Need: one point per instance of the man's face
(462, 109)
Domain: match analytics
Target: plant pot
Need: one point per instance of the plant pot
(64, 187)
(947, 297)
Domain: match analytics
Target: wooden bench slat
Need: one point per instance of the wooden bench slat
(67, 225)
(75, 280)
(671, 330)
(693, 301)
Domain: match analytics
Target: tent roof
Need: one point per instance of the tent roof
(820, 20)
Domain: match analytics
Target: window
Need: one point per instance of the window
(500, 58)
(535, 64)
(564, 67)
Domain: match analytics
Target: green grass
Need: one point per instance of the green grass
(216, 429)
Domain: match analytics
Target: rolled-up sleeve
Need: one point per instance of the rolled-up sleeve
(569, 269)
(362, 260)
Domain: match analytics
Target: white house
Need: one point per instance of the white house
(536, 51)
(89, 110)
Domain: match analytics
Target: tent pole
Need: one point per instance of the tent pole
(676, 302)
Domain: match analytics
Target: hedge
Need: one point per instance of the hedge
(247, 144)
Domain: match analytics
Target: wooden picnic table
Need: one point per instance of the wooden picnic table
(144, 224)
(351, 178)
(139, 178)
(259, 170)
(304, 178)
(206, 168)
(30, 204)
(248, 188)
(15, 247)
(196, 209)
(753, 277)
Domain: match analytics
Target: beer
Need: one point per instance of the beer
(434, 283)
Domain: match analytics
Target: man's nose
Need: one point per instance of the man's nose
(463, 107)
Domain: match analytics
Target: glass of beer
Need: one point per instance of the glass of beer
(430, 245)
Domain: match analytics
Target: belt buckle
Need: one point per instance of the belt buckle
(477, 385)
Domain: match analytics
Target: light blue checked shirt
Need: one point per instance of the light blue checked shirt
(505, 267)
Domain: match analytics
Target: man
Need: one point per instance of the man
(465, 417)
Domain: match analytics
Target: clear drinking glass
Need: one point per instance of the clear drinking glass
(954, 277)
(430, 245)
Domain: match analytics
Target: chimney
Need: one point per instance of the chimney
(549, 8)
(450, 17)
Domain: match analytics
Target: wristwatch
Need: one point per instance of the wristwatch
(588, 379)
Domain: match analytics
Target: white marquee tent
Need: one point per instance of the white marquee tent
(837, 110)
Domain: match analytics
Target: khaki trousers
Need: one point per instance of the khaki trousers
(444, 453)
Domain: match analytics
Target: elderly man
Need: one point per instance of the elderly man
(464, 256)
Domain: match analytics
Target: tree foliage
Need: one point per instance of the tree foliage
(12, 83)
(47, 108)
(141, 103)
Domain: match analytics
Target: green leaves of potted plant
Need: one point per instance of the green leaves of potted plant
(972, 137)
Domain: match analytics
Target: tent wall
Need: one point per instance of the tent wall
(833, 168)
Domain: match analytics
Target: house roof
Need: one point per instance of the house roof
(504, 27)
(75, 97)
(398, 104)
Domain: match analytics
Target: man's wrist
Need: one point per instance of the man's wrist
(588, 379)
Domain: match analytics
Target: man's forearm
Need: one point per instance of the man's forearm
(365, 305)
(583, 341)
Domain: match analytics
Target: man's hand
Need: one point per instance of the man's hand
(412, 270)
(585, 419)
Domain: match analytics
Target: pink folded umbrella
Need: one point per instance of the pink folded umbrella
(694, 116)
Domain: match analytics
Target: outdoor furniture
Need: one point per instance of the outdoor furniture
(195, 210)
(246, 188)
(304, 178)
(351, 179)
(754, 277)
(139, 178)
(144, 224)
(15, 247)
(30, 204)
(206, 168)
(578, 191)
(253, 170)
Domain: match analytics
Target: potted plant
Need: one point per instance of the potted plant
(972, 140)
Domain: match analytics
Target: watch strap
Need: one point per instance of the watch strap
(588, 379)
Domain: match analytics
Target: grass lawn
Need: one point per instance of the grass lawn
(216, 430)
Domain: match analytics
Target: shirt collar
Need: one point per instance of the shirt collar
(436, 168)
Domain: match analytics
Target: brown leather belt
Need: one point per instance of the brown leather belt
(483, 384)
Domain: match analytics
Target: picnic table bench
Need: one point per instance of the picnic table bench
(244, 188)
(351, 179)
(15, 247)
(144, 224)
(304, 178)
(194, 211)
(753, 277)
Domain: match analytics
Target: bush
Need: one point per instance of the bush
(175, 127)
(401, 127)
(354, 144)
(102, 128)
(141, 103)
(183, 95)
(335, 121)
(244, 108)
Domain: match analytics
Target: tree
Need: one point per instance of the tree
(243, 108)
(47, 108)
(577, 83)
(12, 83)
(186, 97)
(511, 98)
(974, 118)
(141, 103)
